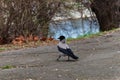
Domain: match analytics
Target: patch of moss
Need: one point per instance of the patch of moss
(1, 49)
(8, 67)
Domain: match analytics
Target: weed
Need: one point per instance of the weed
(8, 67)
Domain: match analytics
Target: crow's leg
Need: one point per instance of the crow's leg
(68, 58)
(58, 57)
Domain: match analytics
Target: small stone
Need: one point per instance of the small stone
(94, 49)
(66, 70)
(55, 69)
(29, 79)
(40, 77)
(110, 67)
(44, 72)
(118, 51)
(59, 76)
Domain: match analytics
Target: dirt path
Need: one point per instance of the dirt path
(99, 60)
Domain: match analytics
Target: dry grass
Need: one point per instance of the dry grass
(11, 46)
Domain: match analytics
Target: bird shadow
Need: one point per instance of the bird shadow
(66, 60)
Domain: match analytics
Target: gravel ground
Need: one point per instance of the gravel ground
(99, 59)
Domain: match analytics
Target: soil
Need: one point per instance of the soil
(99, 59)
